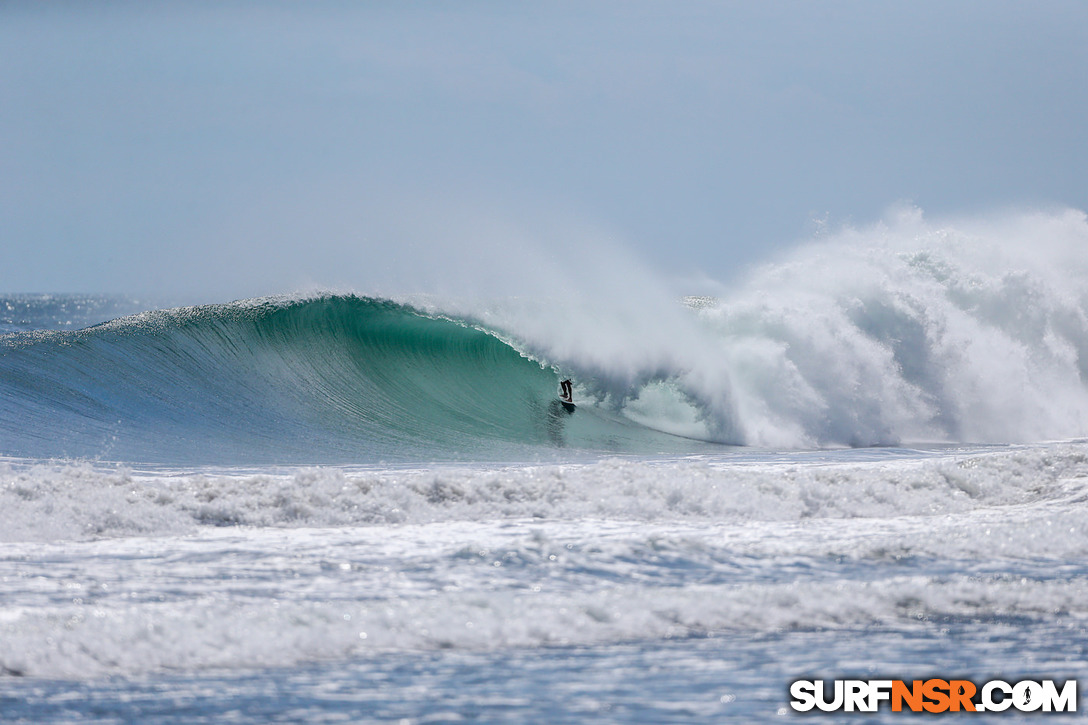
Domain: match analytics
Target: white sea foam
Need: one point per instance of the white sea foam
(967, 330)
(274, 598)
(56, 501)
(114, 571)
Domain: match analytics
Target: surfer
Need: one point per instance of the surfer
(566, 391)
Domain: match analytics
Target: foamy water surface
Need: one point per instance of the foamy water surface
(316, 584)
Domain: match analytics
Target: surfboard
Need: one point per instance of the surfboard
(568, 405)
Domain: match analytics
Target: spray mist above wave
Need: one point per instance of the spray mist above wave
(905, 331)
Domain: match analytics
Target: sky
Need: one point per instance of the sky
(223, 150)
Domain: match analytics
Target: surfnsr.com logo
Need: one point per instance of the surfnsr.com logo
(933, 695)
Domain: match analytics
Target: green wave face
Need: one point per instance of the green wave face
(333, 379)
(390, 376)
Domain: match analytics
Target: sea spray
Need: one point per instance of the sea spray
(966, 331)
(907, 330)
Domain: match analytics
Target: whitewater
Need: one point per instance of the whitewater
(866, 458)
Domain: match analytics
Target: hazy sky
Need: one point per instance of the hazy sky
(229, 149)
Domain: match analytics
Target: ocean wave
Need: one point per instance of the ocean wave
(904, 332)
(330, 378)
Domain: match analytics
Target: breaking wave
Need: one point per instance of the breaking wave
(903, 332)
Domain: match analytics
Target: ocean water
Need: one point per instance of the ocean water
(865, 459)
